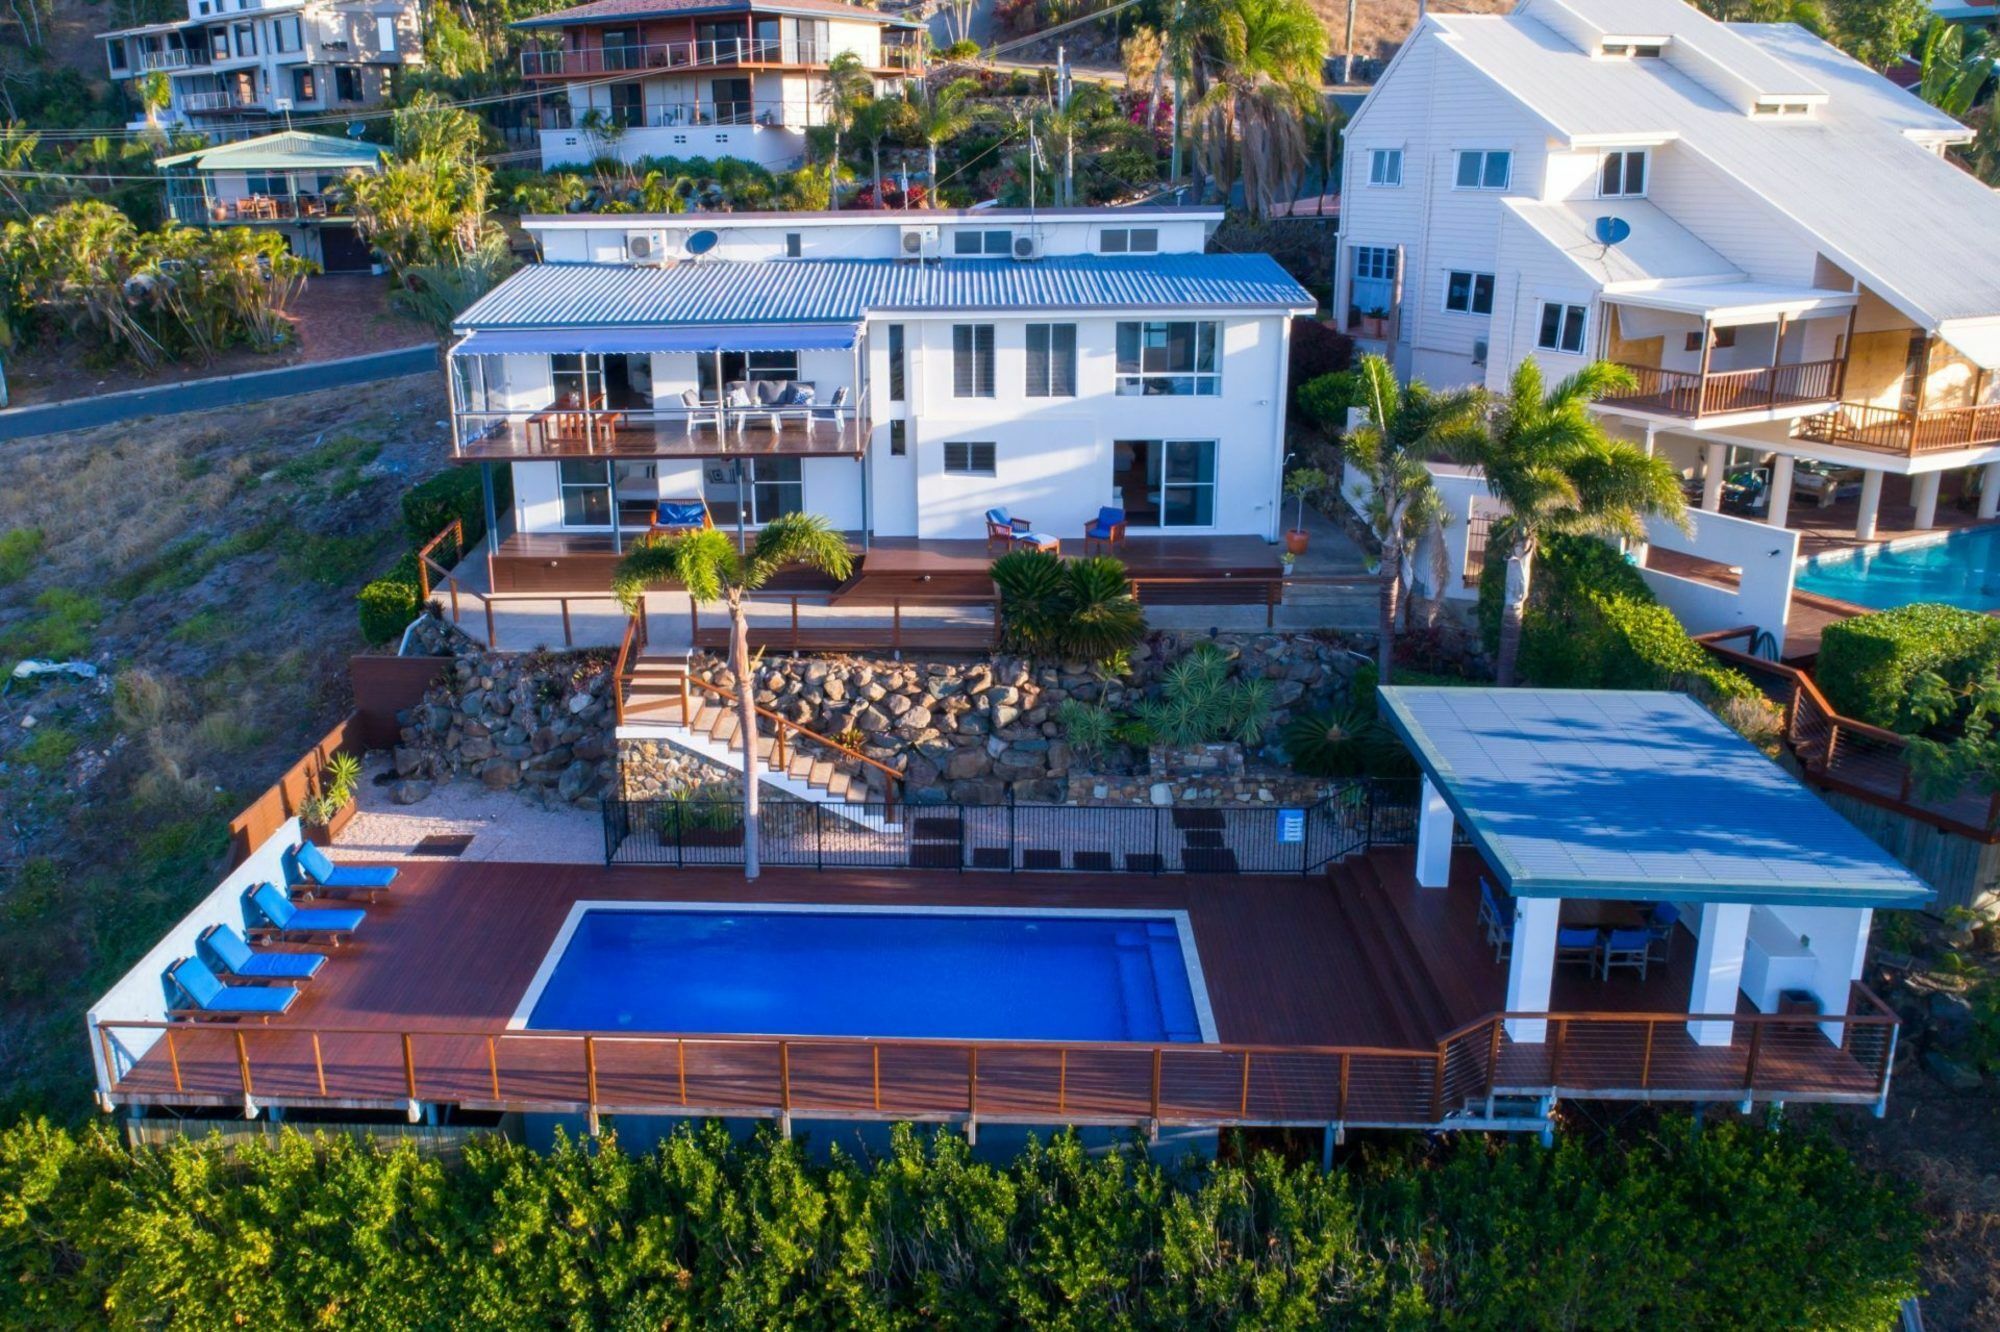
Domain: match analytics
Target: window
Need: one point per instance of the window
(1629, 50)
(1781, 109)
(586, 492)
(1157, 358)
(898, 382)
(385, 33)
(1484, 170)
(1724, 337)
(1562, 328)
(304, 88)
(1468, 293)
(116, 50)
(963, 459)
(975, 243)
(794, 247)
(972, 360)
(778, 367)
(347, 83)
(777, 487)
(899, 438)
(1128, 240)
(1385, 166)
(1052, 360)
(246, 39)
(282, 31)
(1166, 483)
(218, 44)
(1623, 175)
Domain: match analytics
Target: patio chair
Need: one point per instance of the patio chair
(792, 402)
(1499, 922)
(1661, 927)
(233, 957)
(677, 516)
(319, 874)
(739, 404)
(1001, 527)
(699, 413)
(1107, 529)
(201, 994)
(1625, 948)
(1577, 945)
(281, 920)
(834, 410)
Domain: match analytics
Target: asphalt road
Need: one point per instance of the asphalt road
(207, 394)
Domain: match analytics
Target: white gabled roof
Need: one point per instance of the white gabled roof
(1857, 173)
(1658, 250)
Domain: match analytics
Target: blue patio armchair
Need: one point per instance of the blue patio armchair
(318, 873)
(1004, 528)
(196, 992)
(279, 919)
(1625, 948)
(1107, 529)
(1661, 927)
(1496, 913)
(1577, 945)
(227, 954)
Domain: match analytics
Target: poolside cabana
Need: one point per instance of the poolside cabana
(1605, 795)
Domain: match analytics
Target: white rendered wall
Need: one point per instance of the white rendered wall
(1766, 556)
(601, 239)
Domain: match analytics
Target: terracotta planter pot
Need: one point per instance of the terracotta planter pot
(1295, 540)
(323, 836)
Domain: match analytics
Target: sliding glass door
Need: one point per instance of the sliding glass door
(1166, 483)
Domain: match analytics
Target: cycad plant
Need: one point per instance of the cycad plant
(1199, 704)
(1071, 610)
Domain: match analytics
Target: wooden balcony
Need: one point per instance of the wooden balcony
(716, 53)
(1906, 433)
(1692, 395)
(556, 433)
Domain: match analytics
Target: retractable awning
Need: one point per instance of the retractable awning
(680, 338)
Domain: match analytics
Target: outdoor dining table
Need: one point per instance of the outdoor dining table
(1604, 913)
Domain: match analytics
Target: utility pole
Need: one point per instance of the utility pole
(1069, 131)
(1347, 56)
(1173, 41)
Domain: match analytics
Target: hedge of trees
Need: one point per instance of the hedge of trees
(1692, 1228)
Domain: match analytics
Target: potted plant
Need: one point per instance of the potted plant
(1301, 484)
(327, 811)
(1375, 323)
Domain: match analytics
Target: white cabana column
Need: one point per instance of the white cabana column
(1780, 507)
(1871, 505)
(1531, 967)
(1989, 491)
(1714, 469)
(1924, 494)
(1718, 969)
(1435, 826)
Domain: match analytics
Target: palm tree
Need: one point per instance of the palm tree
(710, 566)
(1548, 459)
(843, 89)
(941, 114)
(876, 119)
(1406, 426)
(1252, 68)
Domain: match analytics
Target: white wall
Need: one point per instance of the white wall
(772, 147)
(140, 995)
(601, 239)
(1765, 556)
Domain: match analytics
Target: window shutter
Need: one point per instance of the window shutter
(1062, 361)
(1039, 385)
(962, 371)
(982, 457)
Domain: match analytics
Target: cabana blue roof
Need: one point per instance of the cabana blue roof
(825, 291)
(1625, 794)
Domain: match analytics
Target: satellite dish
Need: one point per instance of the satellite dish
(356, 129)
(701, 242)
(1611, 230)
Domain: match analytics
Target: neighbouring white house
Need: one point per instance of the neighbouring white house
(234, 65)
(1765, 232)
(900, 374)
(285, 181)
(701, 78)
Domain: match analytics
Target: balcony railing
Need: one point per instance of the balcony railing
(1692, 394)
(177, 57)
(663, 432)
(220, 101)
(676, 115)
(1893, 430)
(196, 212)
(572, 62)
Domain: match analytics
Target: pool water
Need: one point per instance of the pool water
(1061, 976)
(1962, 569)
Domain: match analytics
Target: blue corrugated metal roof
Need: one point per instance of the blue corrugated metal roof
(841, 290)
(1609, 793)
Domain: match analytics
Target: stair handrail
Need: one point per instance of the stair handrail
(891, 778)
(630, 648)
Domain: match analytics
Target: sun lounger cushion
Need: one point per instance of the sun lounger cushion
(272, 904)
(237, 959)
(204, 991)
(319, 868)
(678, 513)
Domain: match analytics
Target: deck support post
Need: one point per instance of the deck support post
(1531, 967)
(1779, 507)
(1715, 467)
(1335, 1136)
(492, 533)
(1718, 969)
(1989, 491)
(1434, 830)
(1924, 495)
(1871, 505)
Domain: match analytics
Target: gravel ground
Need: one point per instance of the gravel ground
(503, 826)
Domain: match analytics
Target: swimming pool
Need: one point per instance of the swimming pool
(1962, 569)
(955, 973)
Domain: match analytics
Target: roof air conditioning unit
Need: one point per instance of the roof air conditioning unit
(647, 247)
(1027, 247)
(917, 242)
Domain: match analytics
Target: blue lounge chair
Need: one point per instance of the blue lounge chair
(1577, 945)
(202, 995)
(1107, 529)
(320, 874)
(1003, 527)
(1625, 948)
(234, 957)
(282, 920)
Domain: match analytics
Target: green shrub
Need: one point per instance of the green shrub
(1722, 1226)
(19, 548)
(1199, 704)
(1345, 741)
(431, 504)
(1073, 610)
(1087, 726)
(1869, 666)
(59, 629)
(390, 602)
(1326, 398)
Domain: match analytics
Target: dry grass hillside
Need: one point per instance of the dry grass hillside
(1381, 25)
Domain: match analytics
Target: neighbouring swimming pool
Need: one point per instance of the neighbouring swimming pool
(1962, 569)
(828, 971)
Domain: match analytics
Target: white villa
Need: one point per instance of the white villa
(701, 78)
(233, 65)
(1766, 232)
(900, 374)
(284, 181)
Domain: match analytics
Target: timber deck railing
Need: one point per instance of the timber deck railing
(1933, 430)
(1593, 1055)
(1843, 754)
(1717, 392)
